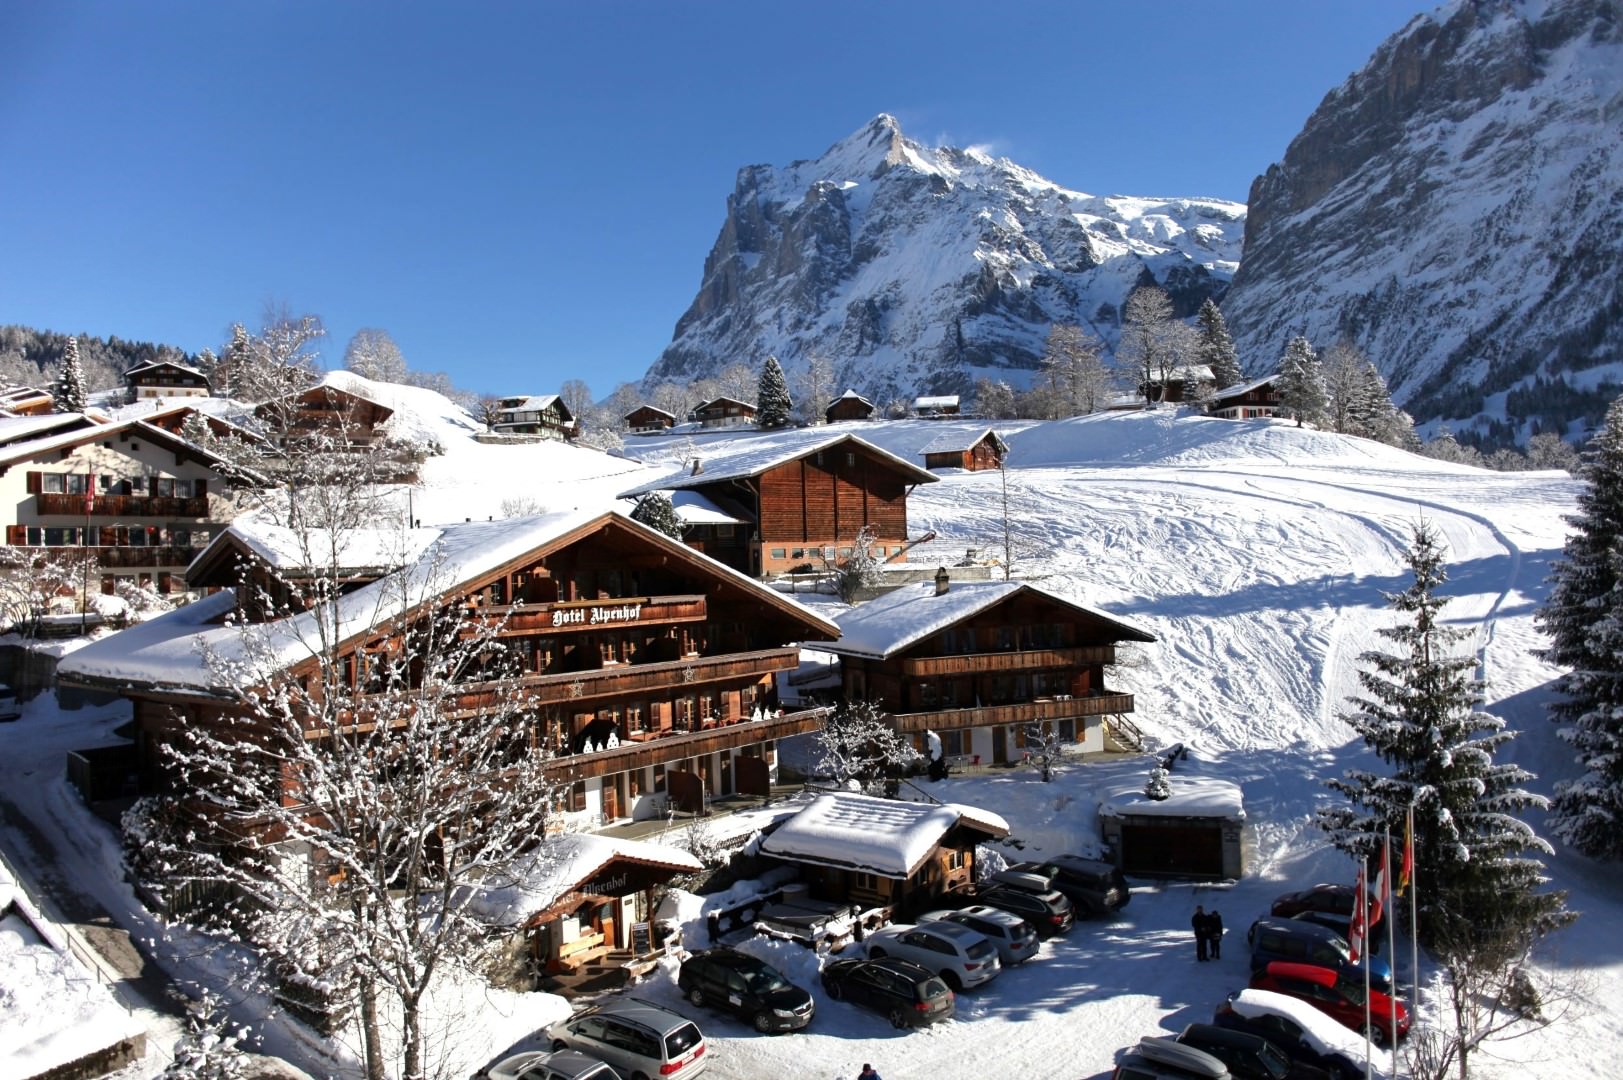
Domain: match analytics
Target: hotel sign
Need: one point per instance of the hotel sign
(597, 616)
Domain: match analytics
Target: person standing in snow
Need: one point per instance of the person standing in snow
(1214, 933)
(868, 1072)
(1199, 924)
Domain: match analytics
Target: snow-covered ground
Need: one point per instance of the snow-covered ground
(1258, 554)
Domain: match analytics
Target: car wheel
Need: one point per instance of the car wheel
(1379, 1035)
(763, 1022)
(954, 983)
(836, 991)
(696, 997)
(876, 954)
(559, 1044)
(898, 1018)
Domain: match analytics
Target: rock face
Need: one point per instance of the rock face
(1456, 209)
(918, 270)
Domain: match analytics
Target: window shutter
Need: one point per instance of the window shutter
(201, 487)
(17, 535)
(33, 483)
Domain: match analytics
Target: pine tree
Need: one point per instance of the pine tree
(1471, 849)
(70, 388)
(1301, 383)
(656, 511)
(773, 406)
(1584, 618)
(1217, 347)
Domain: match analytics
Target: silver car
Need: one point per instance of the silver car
(559, 1065)
(963, 957)
(638, 1038)
(1014, 938)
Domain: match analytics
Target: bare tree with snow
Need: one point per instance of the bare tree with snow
(373, 354)
(856, 744)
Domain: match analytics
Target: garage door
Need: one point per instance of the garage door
(1173, 850)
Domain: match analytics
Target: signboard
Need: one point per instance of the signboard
(598, 615)
(642, 940)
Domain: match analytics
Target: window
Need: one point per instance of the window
(850, 460)
(797, 553)
(724, 532)
(577, 796)
(778, 553)
(51, 483)
(659, 779)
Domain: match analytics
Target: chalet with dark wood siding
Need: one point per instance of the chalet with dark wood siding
(337, 407)
(849, 406)
(804, 495)
(1254, 400)
(540, 414)
(1175, 389)
(883, 853)
(165, 379)
(25, 401)
(980, 662)
(649, 669)
(937, 405)
(645, 419)
(724, 412)
(972, 450)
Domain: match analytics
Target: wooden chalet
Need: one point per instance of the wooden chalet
(540, 414)
(874, 852)
(980, 662)
(972, 450)
(645, 419)
(1254, 400)
(724, 412)
(802, 498)
(338, 407)
(25, 401)
(1175, 389)
(648, 669)
(165, 379)
(937, 405)
(849, 406)
(19, 429)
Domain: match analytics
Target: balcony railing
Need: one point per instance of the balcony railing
(1024, 713)
(116, 558)
(123, 506)
(928, 667)
(679, 745)
(622, 679)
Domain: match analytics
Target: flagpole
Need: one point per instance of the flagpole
(1391, 939)
(1414, 907)
(1361, 927)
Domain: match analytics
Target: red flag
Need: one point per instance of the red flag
(1407, 870)
(1355, 929)
(1381, 896)
(90, 492)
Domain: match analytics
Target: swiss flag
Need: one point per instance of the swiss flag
(1381, 897)
(1357, 928)
(90, 492)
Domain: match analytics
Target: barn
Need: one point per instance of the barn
(1197, 832)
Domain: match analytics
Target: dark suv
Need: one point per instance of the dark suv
(1304, 943)
(1094, 888)
(750, 988)
(1248, 1056)
(1048, 913)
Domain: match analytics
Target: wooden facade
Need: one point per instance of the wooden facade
(544, 415)
(1023, 659)
(165, 379)
(1248, 401)
(724, 412)
(849, 406)
(326, 411)
(25, 401)
(972, 452)
(645, 418)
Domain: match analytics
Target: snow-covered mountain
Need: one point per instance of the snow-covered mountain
(1456, 209)
(917, 269)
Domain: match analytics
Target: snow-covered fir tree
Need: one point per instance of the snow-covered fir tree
(656, 511)
(71, 395)
(1584, 618)
(1301, 383)
(1159, 785)
(1217, 347)
(773, 407)
(1475, 858)
(209, 1048)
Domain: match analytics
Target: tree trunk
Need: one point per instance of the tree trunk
(369, 1030)
(412, 1036)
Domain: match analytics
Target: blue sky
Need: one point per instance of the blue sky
(523, 193)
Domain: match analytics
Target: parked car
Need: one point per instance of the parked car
(1298, 1029)
(1338, 899)
(1248, 1056)
(1336, 996)
(963, 957)
(1304, 943)
(1015, 940)
(1049, 913)
(1156, 1058)
(557, 1065)
(750, 988)
(9, 709)
(908, 995)
(1095, 888)
(637, 1037)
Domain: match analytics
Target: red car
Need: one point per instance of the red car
(1335, 995)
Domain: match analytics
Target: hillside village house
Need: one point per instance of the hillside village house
(800, 500)
(142, 500)
(25, 401)
(165, 379)
(980, 662)
(540, 414)
(645, 420)
(849, 406)
(972, 450)
(1254, 400)
(939, 405)
(724, 412)
(648, 668)
(19, 429)
(1176, 388)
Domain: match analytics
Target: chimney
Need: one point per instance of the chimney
(698, 467)
(941, 580)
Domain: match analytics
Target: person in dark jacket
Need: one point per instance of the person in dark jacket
(868, 1072)
(1199, 923)
(1214, 933)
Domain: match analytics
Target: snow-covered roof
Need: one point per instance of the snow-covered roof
(357, 386)
(652, 409)
(957, 442)
(562, 864)
(1246, 388)
(887, 837)
(694, 509)
(890, 623)
(15, 429)
(943, 401)
(533, 403)
(346, 551)
(1184, 372)
(756, 456)
(703, 405)
(153, 365)
(1192, 796)
(851, 395)
(23, 451)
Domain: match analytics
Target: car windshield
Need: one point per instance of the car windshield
(766, 981)
(931, 989)
(681, 1040)
(981, 949)
(1274, 1060)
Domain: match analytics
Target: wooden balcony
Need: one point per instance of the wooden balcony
(929, 667)
(622, 680)
(585, 616)
(1026, 713)
(680, 745)
(122, 506)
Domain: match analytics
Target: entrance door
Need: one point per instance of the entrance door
(726, 773)
(611, 796)
(1000, 745)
